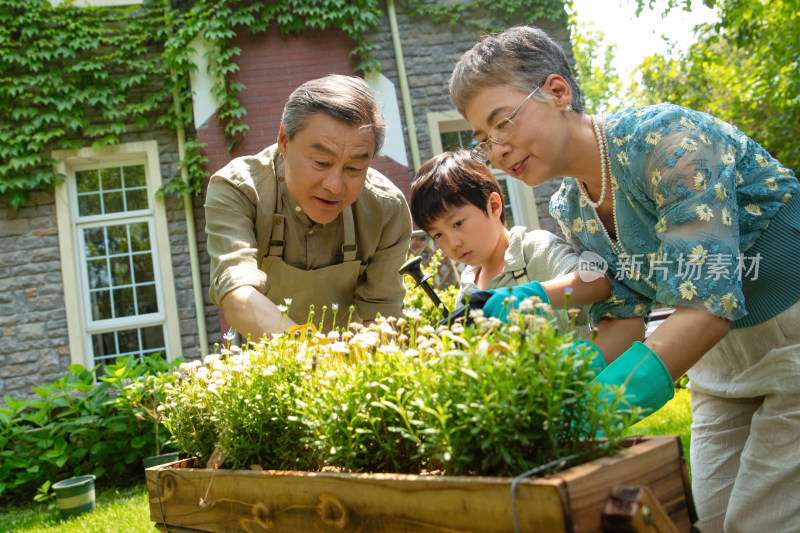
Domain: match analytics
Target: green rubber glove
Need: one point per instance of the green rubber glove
(597, 363)
(647, 383)
(496, 305)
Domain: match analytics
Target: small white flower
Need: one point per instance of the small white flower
(287, 301)
(412, 312)
(282, 308)
(526, 305)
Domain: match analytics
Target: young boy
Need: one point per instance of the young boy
(459, 203)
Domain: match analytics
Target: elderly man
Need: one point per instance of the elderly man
(306, 221)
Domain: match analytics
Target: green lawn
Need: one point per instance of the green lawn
(675, 418)
(128, 510)
(118, 510)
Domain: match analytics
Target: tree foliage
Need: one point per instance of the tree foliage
(743, 69)
(593, 65)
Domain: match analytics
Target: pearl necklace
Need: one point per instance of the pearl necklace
(601, 144)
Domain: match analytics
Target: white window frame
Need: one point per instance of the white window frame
(80, 326)
(521, 197)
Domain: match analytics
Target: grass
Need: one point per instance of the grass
(117, 510)
(675, 418)
(128, 509)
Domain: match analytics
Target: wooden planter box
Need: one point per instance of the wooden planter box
(642, 488)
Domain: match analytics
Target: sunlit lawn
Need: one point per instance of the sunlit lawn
(118, 511)
(675, 418)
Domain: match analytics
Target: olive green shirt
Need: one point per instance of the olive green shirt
(240, 204)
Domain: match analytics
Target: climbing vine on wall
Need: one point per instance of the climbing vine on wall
(72, 76)
(489, 15)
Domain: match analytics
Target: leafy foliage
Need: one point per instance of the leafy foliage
(488, 15)
(593, 65)
(77, 427)
(71, 76)
(742, 70)
(400, 395)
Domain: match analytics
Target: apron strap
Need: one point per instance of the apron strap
(349, 247)
(276, 240)
(523, 272)
(520, 274)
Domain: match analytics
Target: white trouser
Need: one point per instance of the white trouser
(745, 450)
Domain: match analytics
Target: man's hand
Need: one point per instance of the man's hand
(253, 314)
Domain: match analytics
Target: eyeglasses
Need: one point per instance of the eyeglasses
(500, 134)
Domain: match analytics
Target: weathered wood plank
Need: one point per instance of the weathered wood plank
(198, 499)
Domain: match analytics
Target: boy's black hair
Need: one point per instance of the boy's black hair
(449, 180)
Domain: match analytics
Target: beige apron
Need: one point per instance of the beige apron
(322, 287)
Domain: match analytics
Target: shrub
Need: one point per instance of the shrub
(74, 427)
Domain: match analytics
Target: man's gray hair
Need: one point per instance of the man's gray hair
(522, 57)
(346, 98)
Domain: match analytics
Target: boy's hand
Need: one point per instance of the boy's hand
(511, 297)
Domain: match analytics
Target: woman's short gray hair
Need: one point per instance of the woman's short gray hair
(346, 98)
(522, 57)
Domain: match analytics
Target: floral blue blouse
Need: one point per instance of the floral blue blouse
(691, 195)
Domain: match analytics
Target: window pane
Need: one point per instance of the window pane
(111, 190)
(450, 141)
(98, 273)
(123, 302)
(118, 240)
(89, 204)
(121, 271)
(87, 180)
(113, 202)
(143, 268)
(95, 242)
(134, 176)
(105, 343)
(128, 341)
(140, 237)
(101, 305)
(453, 140)
(146, 299)
(137, 199)
(153, 338)
(138, 342)
(111, 178)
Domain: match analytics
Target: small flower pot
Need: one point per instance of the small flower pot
(164, 458)
(75, 495)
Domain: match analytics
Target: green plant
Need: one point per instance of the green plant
(76, 426)
(142, 390)
(398, 396)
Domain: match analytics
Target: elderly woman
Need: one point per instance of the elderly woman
(688, 212)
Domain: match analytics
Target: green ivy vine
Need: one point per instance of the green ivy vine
(71, 76)
(489, 15)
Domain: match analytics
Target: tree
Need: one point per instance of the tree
(742, 70)
(598, 77)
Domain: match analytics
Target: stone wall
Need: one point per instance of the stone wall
(430, 51)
